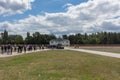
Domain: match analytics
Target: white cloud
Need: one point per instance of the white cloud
(67, 5)
(91, 16)
(9, 7)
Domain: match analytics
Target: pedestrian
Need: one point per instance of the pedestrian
(18, 48)
(42, 46)
(2, 49)
(15, 48)
(28, 47)
(9, 49)
(25, 48)
(34, 47)
(21, 48)
(5, 48)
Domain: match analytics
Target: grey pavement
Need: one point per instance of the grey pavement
(109, 54)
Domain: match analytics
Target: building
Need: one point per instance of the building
(59, 41)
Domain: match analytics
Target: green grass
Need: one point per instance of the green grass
(59, 65)
(113, 50)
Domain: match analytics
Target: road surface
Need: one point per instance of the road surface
(109, 54)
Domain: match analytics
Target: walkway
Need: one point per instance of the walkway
(109, 54)
(15, 53)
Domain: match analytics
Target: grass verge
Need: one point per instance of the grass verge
(113, 50)
(59, 65)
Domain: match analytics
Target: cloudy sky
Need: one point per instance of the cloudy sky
(59, 16)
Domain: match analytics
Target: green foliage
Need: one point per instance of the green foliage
(65, 36)
(5, 37)
(38, 38)
(95, 38)
(10, 39)
(19, 39)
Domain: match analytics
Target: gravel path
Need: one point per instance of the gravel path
(109, 54)
(15, 53)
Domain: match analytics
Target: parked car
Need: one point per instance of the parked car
(52, 47)
(60, 47)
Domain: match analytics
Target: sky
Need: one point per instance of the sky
(59, 16)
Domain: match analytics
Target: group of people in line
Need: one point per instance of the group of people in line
(9, 49)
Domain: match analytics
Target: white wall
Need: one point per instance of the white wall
(64, 42)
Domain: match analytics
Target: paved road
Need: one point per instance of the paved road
(109, 54)
(15, 53)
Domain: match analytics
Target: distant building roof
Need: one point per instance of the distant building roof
(63, 42)
(59, 39)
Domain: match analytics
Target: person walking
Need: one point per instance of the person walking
(25, 48)
(18, 48)
(8, 49)
(2, 49)
(15, 48)
(11, 49)
(42, 47)
(21, 48)
(34, 46)
(5, 48)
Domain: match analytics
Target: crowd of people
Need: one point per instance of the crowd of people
(9, 49)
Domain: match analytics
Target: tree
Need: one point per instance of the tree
(5, 37)
(11, 39)
(19, 39)
(65, 36)
(28, 39)
(36, 38)
(28, 34)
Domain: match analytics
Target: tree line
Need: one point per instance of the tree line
(37, 38)
(94, 38)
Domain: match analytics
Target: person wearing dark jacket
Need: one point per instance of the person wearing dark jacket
(9, 49)
(5, 48)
